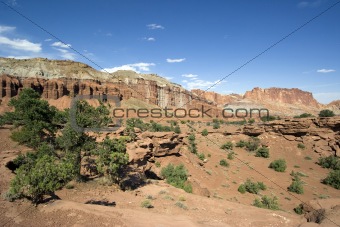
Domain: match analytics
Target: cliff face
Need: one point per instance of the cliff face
(55, 79)
(282, 95)
(216, 98)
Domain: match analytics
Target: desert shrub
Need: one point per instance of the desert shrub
(224, 162)
(192, 143)
(231, 155)
(216, 125)
(176, 176)
(227, 146)
(251, 121)
(278, 165)
(304, 115)
(301, 146)
(308, 158)
(261, 185)
(242, 189)
(252, 144)
(330, 162)
(146, 204)
(333, 179)
(253, 187)
(296, 186)
(201, 156)
(299, 209)
(157, 164)
(262, 152)
(177, 129)
(112, 158)
(326, 113)
(267, 203)
(241, 143)
(269, 118)
(181, 205)
(205, 132)
(39, 177)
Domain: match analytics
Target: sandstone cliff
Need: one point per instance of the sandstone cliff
(54, 79)
(282, 95)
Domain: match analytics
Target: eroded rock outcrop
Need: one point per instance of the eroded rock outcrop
(149, 145)
(323, 134)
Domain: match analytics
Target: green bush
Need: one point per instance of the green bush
(333, 179)
(192, 143)
(278, 165)
(262, 152)
(296, 186)
(301, 146)
(299, 209)
(224, 162)
(242, 189)
(269, 118)
(216, 125)
(267, 203)
(146, 204)
(231, 155)
(251, 121)
(227, 146)
(176, 176)
(39, 177)
(177, 129)
(253, 187)
(201, 156)
(304, 115)
(205, 132)
(252, 144)
(330, 162)
(241, 143)
(326, 113)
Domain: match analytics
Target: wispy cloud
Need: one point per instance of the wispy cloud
(64, 53)
(168, 77)
(325, 70)
(4, 29)
(20, 44)
(149, 39)
(12, 2)
(309, 4)
(60, 44)
(195, 83)
(48, 40)
(21, 57)
(190, 75)
(327, 97)
(137, 67)
(154, 26)
(176, 60)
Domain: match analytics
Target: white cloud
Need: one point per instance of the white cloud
(4, 29)
(325, 70)
(327, 97)
(195, 83)
(12, 2)
(151, 39)
(48, 40)
(64, 53)
(176, 60)
(137, 67)
(60, 44)
(189, 75)
(20, 44)
(309, 4)
(168, 77)
(155, 26)
(21, 57)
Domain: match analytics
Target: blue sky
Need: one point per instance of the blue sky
(194, 42)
